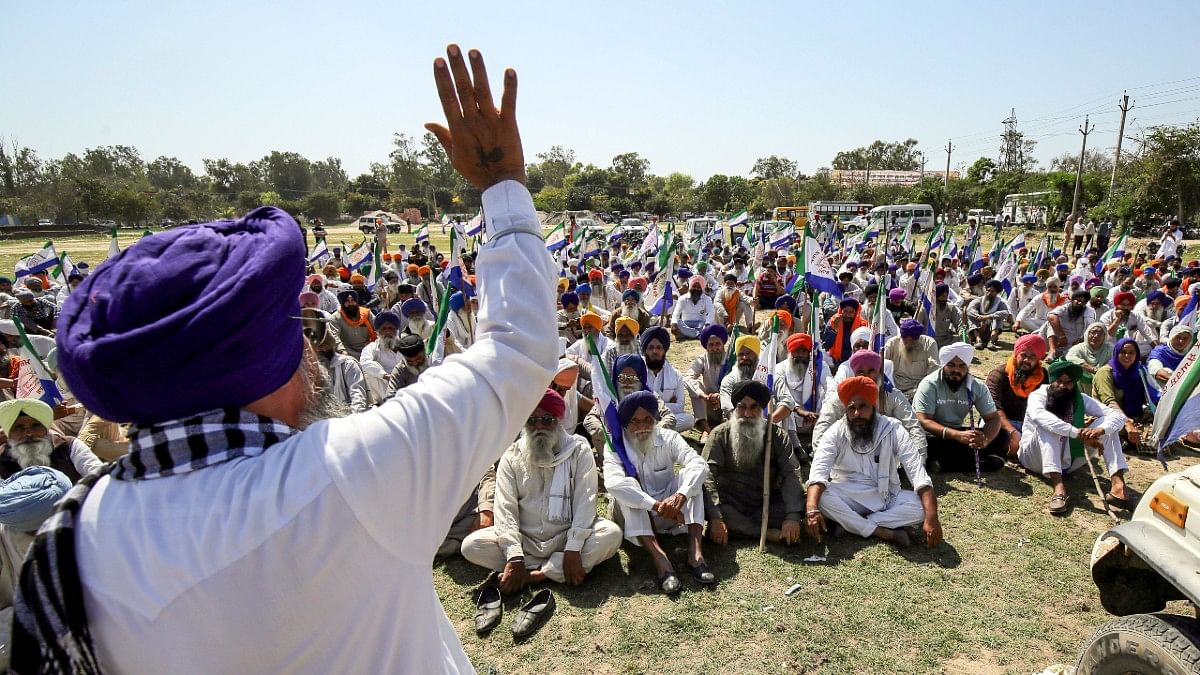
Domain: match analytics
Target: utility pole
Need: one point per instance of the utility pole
(1124, 106)
(949, 149)
(923, 160)
(1085, 130)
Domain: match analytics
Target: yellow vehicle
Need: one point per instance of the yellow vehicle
(796, 214)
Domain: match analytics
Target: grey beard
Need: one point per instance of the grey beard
(747, 371)
(417, 370)
(539, 446)
(421, 327)
(624, 390)
(630, 348)
(319, 403)
(800, 368)
(390, 344)
(715, 361)
(32, 452)
(642, 441)
(746, 443)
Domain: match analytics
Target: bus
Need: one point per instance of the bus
(921, 216)
(842, 212)
(1028, 208)
(796, 214)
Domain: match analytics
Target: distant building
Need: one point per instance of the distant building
(884, 176)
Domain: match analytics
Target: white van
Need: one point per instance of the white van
(921, 216)
(696, 229)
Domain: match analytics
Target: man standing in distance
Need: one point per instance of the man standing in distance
(118, 585)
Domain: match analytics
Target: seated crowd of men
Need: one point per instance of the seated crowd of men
(859, 403)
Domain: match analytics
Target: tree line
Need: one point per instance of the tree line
(1160, 178)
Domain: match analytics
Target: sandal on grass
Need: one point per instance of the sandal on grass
(669, 583)
(1058, 505)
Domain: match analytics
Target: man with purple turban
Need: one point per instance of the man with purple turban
(913, 355)
(703, 379)
(416, 318)
(190, 335)
(650, 495)
(545, 508)
(568, 317)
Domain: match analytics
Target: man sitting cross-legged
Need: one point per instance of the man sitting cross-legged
(650, 495)
(855, 479)
(545, 508)
(1055, 435)
(735, 453)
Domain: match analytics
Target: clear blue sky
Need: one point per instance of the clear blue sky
(696, 87)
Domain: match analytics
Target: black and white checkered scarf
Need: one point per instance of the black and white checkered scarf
(50, 628)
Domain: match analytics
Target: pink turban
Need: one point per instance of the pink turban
(1033, 342)
(553, 403)
(865, 359)
(310, 300)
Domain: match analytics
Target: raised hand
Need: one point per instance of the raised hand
(483, 143)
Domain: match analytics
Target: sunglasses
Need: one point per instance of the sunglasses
(540, 420)
(628, 379)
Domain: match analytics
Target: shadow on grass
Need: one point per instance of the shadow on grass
(1006, 480)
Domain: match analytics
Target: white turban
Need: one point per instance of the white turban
(962, 350)
(860, 333)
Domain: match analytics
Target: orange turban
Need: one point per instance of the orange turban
(785, 317)
(423, 270)
(639, 283)
(595, 274)
(859, 385)
(799, 341)
(592, 320)
(357, 278)
(412, 268)
(1181, 302)
(387, 256)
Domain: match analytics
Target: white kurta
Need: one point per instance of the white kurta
(656, 480)
(1046, 438)
(668, 384)
(294, 560)
(377, 365)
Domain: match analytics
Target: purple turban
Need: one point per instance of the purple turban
(849, 302)
(786, 302)
(634, 361)
(941, 289)
(386, 317)
(911, 328)
(628, 407)
(569, 298)
(412, 305)
(713, 329)
(656, 333)
(209, 307)
(865, 359)
(897, 294)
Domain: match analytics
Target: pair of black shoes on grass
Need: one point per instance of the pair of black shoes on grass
(490, 609)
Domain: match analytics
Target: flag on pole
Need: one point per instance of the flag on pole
(783, 236)
(358, 256)
(650, 243)
(456, 272)
(814, 269)
(49, 390)
(665, 270)
(739, 218)
(44, 259)
(730, 351)
(114, 248)
(1188, 316)
(1115, 252)
(66, 267)
(557, 238)
(423, 233)
(765, 370)
(1017, 243)
(476, 225)
(1178, 411)
(320, 253)
(606, 398)
(374, 272)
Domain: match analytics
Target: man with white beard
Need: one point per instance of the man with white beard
(416, 320)
(747, 348)
(631, 308)
(703, 379)
(734, 488)
(414, 362)
(346, 383)
(629, 376)
(461, 321)
(545, 508)
(26, 423)
(381, 357)
(627, 330)
(855, 481)
(639, 473)
(805, 386)
(662, 378)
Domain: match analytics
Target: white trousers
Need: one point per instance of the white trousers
(842, 505)
(643, 523)
(1032, 324)
(482, 547)
(1044, 453)
(684, 421)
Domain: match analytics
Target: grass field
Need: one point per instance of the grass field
(1009, 591)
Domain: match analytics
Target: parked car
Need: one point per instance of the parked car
(45, 222)
(982, 216)
(1138, 567)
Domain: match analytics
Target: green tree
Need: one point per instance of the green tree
(328, 174)
(166, 173)
(896, 156)
(324, 205)
(287, 173)
(773, 167)
(716, 192)
(230, 179)
(554, 165)
(550, 198)
(632, 166)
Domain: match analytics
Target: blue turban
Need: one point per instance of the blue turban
(635, 265)
(388, 317)
(684, 273)
(711, 330)
(1149, 270)
(634, 361)
(210, 305)
(911, 328)
(628, 407)
(412, 305)
(656, 333)
(849, 302)
(583, 288)
(457, 301)
(1062, 267)
(623, 274)
(941, 289)
(1151, 297)
(975, 279)
(569, 298)
(616, 267)
(1029, 277)
(28, 497)
(786, 301)
(631, 292)
(346, 295)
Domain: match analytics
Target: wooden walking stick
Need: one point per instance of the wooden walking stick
(1096, 482)
(766, 509)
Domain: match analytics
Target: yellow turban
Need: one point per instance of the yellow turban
(562, 284)
(592, 320)
(750, 342)
(628, 322)
(10, 410)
